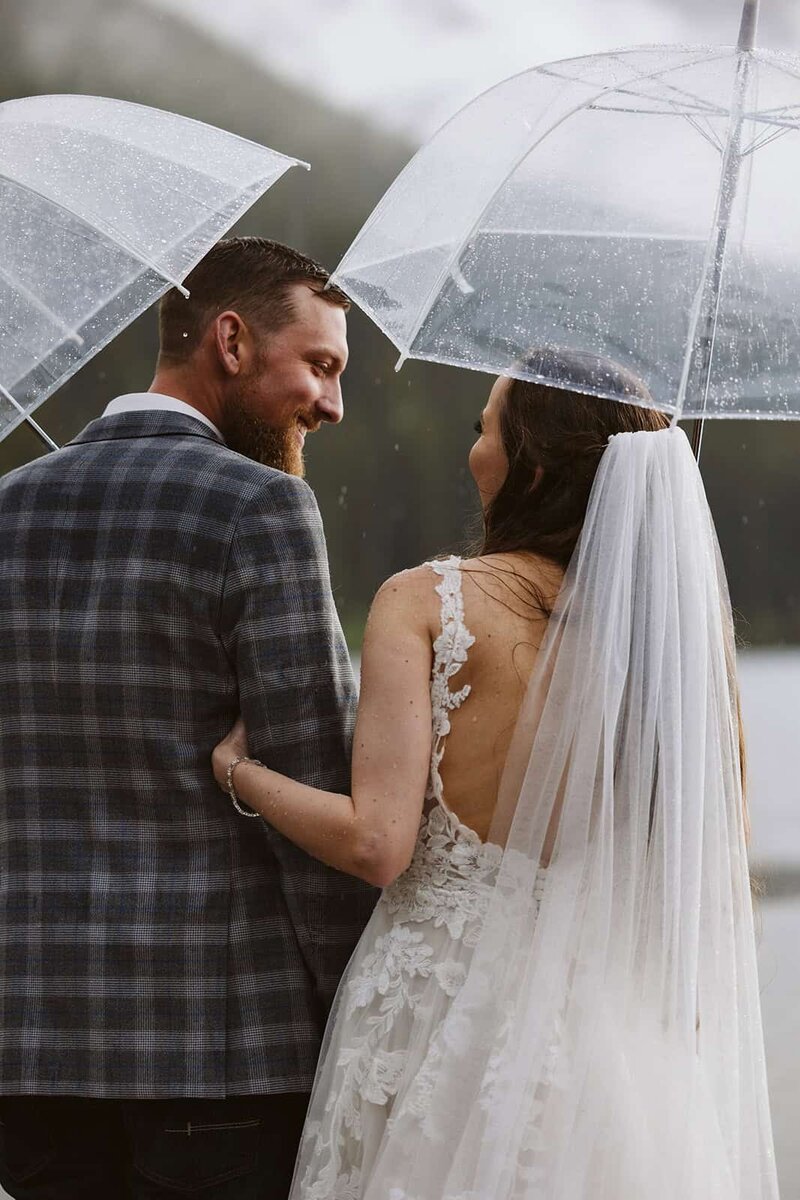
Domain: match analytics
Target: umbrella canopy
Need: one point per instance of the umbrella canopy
(104, 205)
(638, 205)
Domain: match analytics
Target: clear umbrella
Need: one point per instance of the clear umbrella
(104, 205)
(639, 205)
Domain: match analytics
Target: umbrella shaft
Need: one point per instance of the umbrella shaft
(747, 33)
(701, 358)
(701, 341)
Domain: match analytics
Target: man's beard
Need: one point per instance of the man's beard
(267, 444)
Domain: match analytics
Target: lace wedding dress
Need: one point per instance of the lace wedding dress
(411, 961)
(591, 1031)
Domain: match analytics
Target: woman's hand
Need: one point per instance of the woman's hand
(233, 745)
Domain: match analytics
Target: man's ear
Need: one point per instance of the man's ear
(232, 342)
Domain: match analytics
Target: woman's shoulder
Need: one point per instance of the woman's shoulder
(408, 592)
(409, 587)
(415, 582)
(411, 596)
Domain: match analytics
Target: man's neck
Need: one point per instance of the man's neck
(189, 391)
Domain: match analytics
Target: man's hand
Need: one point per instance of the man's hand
(233, 745)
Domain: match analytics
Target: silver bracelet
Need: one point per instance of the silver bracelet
(243, 812)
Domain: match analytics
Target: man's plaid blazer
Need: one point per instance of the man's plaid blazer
(153, 942)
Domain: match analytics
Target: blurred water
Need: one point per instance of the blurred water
(779, 966)
(770, 683)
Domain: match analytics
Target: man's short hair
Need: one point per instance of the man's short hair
(248, 275)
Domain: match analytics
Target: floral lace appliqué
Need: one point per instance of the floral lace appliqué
(450, 653)
(415, 967)
(448, 881)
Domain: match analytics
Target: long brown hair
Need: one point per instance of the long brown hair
(554, 438)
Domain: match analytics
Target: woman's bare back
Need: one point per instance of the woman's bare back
(501, 596)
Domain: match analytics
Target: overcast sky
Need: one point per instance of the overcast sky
(411, 63)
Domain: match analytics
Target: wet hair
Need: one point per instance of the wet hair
(554, 438)
(249, 275)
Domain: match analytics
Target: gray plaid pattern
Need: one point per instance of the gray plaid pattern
(152, 942)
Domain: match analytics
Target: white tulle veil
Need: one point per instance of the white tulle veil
(607, 1042)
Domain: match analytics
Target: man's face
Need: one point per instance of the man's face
(293, 385)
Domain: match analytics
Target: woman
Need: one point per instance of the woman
(556, 995)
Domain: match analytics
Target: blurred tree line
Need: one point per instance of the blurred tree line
(392, 481)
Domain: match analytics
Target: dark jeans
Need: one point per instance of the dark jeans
(242, 1148)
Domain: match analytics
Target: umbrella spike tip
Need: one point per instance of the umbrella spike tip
(399, 364)
(183, 291)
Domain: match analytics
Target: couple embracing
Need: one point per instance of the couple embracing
(553, 994)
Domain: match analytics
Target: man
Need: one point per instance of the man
(166, 964)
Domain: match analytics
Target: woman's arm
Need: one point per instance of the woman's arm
(372, 833)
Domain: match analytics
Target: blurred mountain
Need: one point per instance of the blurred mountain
(409, 64)
(137, 51)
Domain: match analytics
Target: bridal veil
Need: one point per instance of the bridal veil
(607, 1041)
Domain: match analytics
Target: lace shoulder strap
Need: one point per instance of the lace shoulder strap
(449, 655)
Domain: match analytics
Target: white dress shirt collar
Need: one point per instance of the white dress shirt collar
(156, 402)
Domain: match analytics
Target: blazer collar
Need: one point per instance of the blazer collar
(150, 423)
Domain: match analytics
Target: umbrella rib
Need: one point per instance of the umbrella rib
(706, 134)
(784, 70)
(26, 416)
(41, 307)
(674, 111)
(113, 236)
(702, 105)
(705, 105)
(520, 158)
(766, 139)
(713, 136)
(774, 122)
(596, 234)
(783, 108)
(712, 109)
(765, 116)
